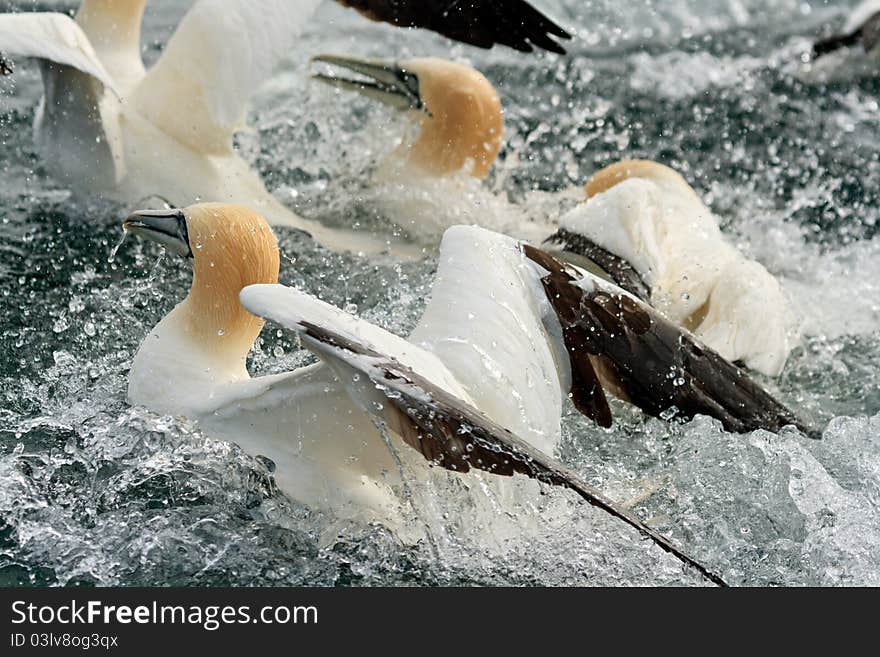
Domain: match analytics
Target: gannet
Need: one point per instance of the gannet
(646, 227)
(316, 423)
(456, 110)
(862, 29)
(453, 130)
(107, 124)
(641, 220)
(508, 333)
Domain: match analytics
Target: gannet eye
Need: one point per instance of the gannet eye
(410, 83)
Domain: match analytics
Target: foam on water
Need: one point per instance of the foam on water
(94, 491)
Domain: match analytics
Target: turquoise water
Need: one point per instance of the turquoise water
(93, 491)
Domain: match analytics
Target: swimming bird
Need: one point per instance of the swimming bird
(509, 332)
(862, 28)
(646, 228)
(456, 111)
(642, 224)
(478, 384)
(453, 131)
(107, 124)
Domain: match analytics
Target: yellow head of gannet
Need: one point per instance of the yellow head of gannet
(458, 110)
(209, 333)
(614, 174)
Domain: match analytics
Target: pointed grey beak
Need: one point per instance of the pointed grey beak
(166, 227)
(380, 80)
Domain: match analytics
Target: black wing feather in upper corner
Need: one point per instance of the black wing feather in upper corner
(654, 362)
(868, 34)
(871, 33)
(482, 23)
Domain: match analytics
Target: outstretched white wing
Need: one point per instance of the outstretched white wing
(220, 54)
(490, 324)
(295, 309)
(407, 390)
(51, 37)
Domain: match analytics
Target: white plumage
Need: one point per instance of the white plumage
(654, 220)
(486, 338)
(167, 131)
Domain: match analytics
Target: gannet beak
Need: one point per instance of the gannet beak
(166, 227)
(387, 82)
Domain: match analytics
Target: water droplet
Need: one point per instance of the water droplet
(221, 332)
(90, 329)
(351, 308)
(116, 248)
(669, 413)
(278, 352)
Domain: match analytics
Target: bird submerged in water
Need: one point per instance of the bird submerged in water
(641, 223)
(107, 124)
(458, 118)
(453, 130)
(509, 332)
(647, 229)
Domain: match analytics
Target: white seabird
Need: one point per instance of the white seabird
(106, 124)
(641, 221)
(666, 247)
(453, 131)
(483, 308)
(508, 333)
(459, 124)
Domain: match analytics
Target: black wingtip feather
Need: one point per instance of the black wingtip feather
(481, 23)
(639, 348)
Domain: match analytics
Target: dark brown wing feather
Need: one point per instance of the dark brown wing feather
(587, 394)
(483, 23)
(620, 270)
(871, 33)
(659, 366)
(454, 435)
(868, 34)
